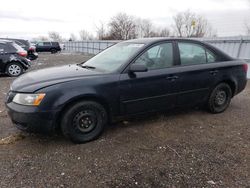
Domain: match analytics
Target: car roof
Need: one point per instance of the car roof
(159, 39)
(150, 41)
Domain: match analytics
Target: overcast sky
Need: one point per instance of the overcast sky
(30, 18)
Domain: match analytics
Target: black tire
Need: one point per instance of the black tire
(53, 51)
(14, 69)
(32, 57)
(84, 121)
(220, 98)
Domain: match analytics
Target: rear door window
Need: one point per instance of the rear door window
(191, 53)
(2, 48)
(55, 43)
(46, 44)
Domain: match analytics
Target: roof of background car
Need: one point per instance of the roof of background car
(5, 41)
(13, 39)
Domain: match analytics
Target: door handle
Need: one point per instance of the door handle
(172, 78)
(213, 72)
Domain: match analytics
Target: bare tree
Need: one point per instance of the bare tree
(248, 29)
(85, 35)
(247, 23)
(189, 24)
(144, 28)
(55, 36)
(101, 31)
(164, 32)
(122, 27)
(40, 38)
(72, 37)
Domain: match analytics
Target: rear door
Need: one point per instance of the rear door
(196, 75)
(43, 47)
(40, 47)
(151, 90)
(47, 46)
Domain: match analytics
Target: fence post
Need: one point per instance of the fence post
(240, 45)
(87, 47)
(99, 47)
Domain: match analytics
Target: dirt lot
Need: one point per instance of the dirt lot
(190, 148)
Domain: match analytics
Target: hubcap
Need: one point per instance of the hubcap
(220, 98)
(85, 121)
(14, 70)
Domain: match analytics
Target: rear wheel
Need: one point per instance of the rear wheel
(53, 51)
(220, 98)
(84, 121)
(14, 69)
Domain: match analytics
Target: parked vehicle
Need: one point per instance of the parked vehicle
(62, 46)
(52, 47)
(26, 45)
(129, 78)
(12, 58)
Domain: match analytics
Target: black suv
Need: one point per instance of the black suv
(26, 45)
(52, 47)
(12, 58)
(129, 78)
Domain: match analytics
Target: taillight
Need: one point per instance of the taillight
(245, 67)
(32, 48)
(22, 53)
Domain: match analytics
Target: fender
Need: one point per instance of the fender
(24, 62)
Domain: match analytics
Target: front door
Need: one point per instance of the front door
(151, 90)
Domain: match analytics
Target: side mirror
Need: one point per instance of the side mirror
(137, 68)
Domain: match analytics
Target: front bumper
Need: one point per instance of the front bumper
(30, 119)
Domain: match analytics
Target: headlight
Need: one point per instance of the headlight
(29, 99)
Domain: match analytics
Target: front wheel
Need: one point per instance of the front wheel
(220, 98)
(84, 121)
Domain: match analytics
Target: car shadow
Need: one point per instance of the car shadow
(140, 120)
(4, 75)
(112, 128)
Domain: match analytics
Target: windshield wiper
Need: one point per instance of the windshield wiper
(86, 66)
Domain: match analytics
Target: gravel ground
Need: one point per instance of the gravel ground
(188, 148)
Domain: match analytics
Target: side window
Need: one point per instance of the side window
(2, 48)
(55, 44)
(46, 43)
(157, 57)
(40, 44)
(192, 54)
(210, 57)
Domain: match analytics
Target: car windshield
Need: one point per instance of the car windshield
(114, 57)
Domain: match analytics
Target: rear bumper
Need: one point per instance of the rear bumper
(25, 62)
(29, 119)
(241, 85)
(32, 55)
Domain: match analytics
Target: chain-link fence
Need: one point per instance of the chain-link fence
(238, 47)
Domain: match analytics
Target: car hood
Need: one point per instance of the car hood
(38, 79)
